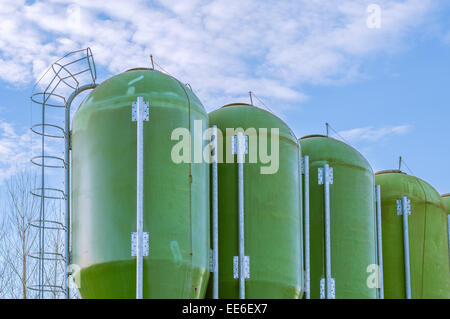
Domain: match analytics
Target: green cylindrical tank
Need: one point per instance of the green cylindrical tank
(176, 196)
(352, 218)
(446, 201)
(428, 245)
(272, 206)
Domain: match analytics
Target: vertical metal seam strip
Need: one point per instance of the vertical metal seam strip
(380, 242)
(300, 217)
(140, 197)
(326, 184)
(375, 240)
(215, 220)
(240, 146)
(307, 238)
(406, 248)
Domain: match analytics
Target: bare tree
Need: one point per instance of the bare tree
(21, 211)
(4, 270)
(19, 241)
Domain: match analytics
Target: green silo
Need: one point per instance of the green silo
(427, 232)
(272, 205)
(353, 245)
(446, 201)
(176, 196)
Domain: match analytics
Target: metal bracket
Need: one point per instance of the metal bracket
(331, 287)
(236, 267)
(211, 260)
(400, 208)
(234, 144)
(320, 175)
(134, 111)
(134, 244)
(322, 288)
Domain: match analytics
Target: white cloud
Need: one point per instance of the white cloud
(15, 150)
(222, 47)
(371, 134)
(19, 145)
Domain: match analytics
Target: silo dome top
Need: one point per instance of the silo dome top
(398, 183)
(332, 149)
(157, 87)
(238, 104)
(313, 135)
(140, 69)
(246, 115)
(390, 171)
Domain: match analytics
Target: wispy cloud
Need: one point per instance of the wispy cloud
(15, 150)
(372, 134)
(18, 145)
(222, 47)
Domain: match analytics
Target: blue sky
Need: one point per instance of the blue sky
(386, 90)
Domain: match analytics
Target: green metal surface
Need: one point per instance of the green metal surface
(352, 218)
(446, 201)
(272, 208)
(428, 243)
(176, 196)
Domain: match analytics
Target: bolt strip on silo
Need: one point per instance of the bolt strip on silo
(141, 116)
(301, 221)
(379, 242)
(215, 217)
(405, 213)
(326, 184)
(240, 143)
(307, 227)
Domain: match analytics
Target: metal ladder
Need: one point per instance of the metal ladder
(56, 90)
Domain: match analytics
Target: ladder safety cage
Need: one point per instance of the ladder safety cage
(52, 95)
